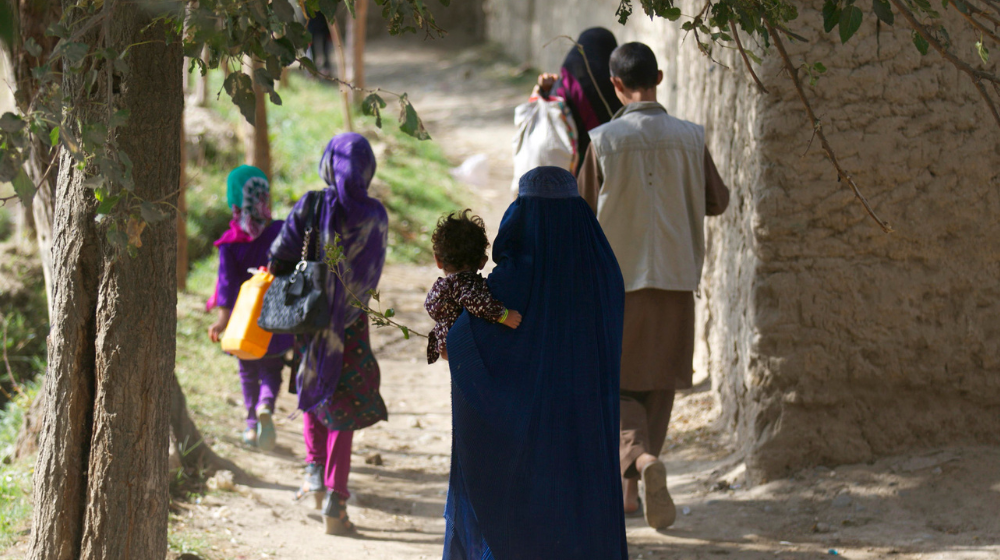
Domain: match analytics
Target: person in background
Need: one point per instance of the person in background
(338, 379)
(321, 49)
(651, 181)
(244, 248)
(591, 101)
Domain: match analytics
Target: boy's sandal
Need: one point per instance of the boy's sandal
(335, 514)
(657, 505)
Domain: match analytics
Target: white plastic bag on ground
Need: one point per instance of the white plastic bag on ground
(546, 135)
(474, 171)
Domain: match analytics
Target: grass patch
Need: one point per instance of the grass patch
(15, 476)
(412, 178)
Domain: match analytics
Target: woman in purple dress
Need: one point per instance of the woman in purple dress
(338, 379)
(242, 248)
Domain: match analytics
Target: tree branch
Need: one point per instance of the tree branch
(746, 60)
(977, 76)
(818, 127)
(975, 23)
(976, 10)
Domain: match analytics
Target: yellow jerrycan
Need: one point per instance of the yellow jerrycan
(243, 338)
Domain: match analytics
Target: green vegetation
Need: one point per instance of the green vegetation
(15, 476)
(412, 179)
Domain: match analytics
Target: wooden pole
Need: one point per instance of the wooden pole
(360, 26)
(345, 98)
(255, 141)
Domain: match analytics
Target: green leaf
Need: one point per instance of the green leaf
(12, 123)
(24, 187)
(350, 7)
(118, 118)
(409, 122)
(54, 136)
(329, 9)
(819, 67)
(406, 333)
(372, 105)
(10, 166)
(984, 53)
(239, 86)
(152, 213)
(108, 203)
(672, 14)
(850, 22)
(624, 11)
(96, 182)
(753, 57)
(74, 53)
(920, 43)
(390, 313)
(831, 15)
(32, 47)
(283, 10)
(883, 11)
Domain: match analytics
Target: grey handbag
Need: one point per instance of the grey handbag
(296, 303)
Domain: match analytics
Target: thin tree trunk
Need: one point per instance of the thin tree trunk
(345, 99)
(182, 240)
(100, 483)
(255, 140)
(34, 19)
(360, 32)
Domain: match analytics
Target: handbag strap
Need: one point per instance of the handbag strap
(313, 225)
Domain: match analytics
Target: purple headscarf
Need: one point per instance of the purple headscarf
(348, 166)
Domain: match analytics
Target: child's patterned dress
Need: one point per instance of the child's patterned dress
(447, 298)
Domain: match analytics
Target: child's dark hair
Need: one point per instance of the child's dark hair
(460, 241)
(635, 65)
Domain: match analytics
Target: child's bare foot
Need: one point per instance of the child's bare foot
(513, 319)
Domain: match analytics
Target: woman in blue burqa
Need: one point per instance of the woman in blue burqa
(534, 472)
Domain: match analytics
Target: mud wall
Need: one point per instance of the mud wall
(827, 340)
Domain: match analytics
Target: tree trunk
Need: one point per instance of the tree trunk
(255, 140)
(345, 99)
(359, 28)
(182, 240)
(100, 483)
(34, 18)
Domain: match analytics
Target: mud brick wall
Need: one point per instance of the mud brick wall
(828, 341)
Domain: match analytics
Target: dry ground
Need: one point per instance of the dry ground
(935, 504)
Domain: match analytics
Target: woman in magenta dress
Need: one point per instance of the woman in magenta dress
(338, 380)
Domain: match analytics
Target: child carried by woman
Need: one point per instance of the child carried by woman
(460, 245)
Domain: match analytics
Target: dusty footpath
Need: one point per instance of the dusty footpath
(932, 504)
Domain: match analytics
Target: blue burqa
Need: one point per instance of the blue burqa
(534, 469)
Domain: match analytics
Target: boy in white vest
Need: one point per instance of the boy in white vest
(651, 181)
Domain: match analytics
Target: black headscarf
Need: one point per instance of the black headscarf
(598, 43)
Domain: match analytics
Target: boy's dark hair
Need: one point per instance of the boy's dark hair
(460, 241)
(635, 65)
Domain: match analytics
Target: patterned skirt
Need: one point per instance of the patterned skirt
(356, 403)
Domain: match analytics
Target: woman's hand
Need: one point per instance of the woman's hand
(513, 319)
(545, 83)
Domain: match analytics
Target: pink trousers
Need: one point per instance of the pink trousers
(332, 449)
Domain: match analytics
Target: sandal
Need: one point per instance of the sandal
(250, 437)
(657, 504)
(266, 436)
(335, 514)
(313, 484)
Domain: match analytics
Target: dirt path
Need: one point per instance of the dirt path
(940, 504)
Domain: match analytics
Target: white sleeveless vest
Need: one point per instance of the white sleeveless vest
(652, 203)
